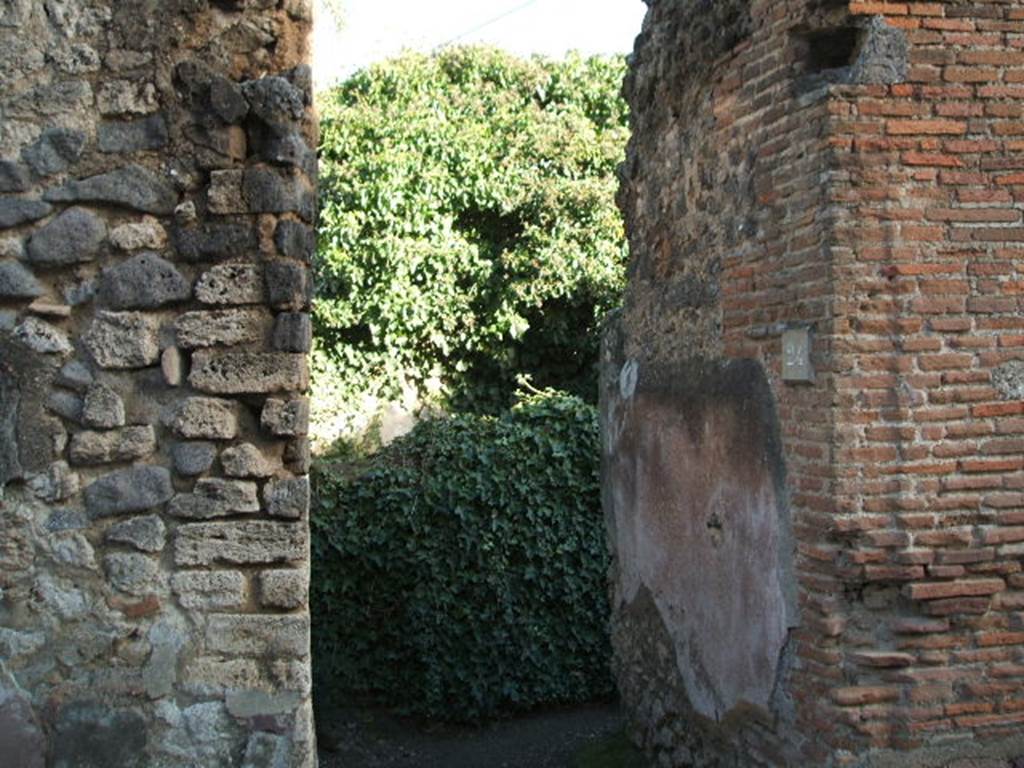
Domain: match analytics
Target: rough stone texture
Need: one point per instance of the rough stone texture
(231, 283)
(193, 458)
(247, 543)
(130, 635)
(248, 372)
(19, 210)
(209, 590)
(220, 327)
(216, 240)
(258, 636)
(245, 460)
(295, 240)
(145, 281)
(288, 498)
(122, 340)
(147, 534)
(206, 417)
(293, 332)
(73, 236)
(114, 446)
(129, 490)
(285, 418)
(285, 588)
(146, 133)
(41, 337)
(132, 573)
(54, 150)
(16, 282)
(288, 285)
(136, 235)
(21, 739)
(853, 170)
(132, 187)
(102, 407)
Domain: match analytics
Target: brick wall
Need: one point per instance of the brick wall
(853, 169)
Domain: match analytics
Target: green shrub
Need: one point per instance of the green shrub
(462, 574)
(468, 228)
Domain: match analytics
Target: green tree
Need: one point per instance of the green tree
(468, 229)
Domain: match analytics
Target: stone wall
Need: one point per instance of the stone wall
(156, 202)
(846, 175)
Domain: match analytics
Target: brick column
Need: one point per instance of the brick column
(817, 557)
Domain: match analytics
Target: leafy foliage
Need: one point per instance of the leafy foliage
(462, 573)
(468, 227)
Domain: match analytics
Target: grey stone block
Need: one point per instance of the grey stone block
(209, 590)
(286, 588)
(123, 340)
(147, 534)
(172, 365)
(127, 444)
(258, 636)
(57, 483)
(65, 404)
(76, 375)
(40, 336)
(245, 460)
(13, 177)
(269, 191)
(132, 573)
(10, 398)
(219, 327)
(21, 738)
(215, 240)
(297, 456)
(136, 235)
(289, 285)
(192, 506)
(193, 458)
(21, 210)
(146, 133)
(145, 281)
(206, 417)
(248, 372)
(16, 282)
(256, 703)
(285, 418)
(295, 240)
(1008, 379)
(225, 192)
(54, 150)
(230, 495)
(288, 498)
(72, 237)
(132, 187)
(227, 100)
(231, 283)
(250, 542)
(274, 100)
(129, 490)
(96, 735)
(293, 332)
(102, 408)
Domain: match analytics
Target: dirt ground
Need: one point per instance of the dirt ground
(582, 737)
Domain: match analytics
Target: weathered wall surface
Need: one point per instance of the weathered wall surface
(853, 169)
(156, 202)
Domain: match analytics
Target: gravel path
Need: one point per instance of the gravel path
(359, 738)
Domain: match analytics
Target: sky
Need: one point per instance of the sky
(372, 30)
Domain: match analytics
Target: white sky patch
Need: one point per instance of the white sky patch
(373, 30)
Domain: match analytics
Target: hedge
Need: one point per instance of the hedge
(462, 574)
